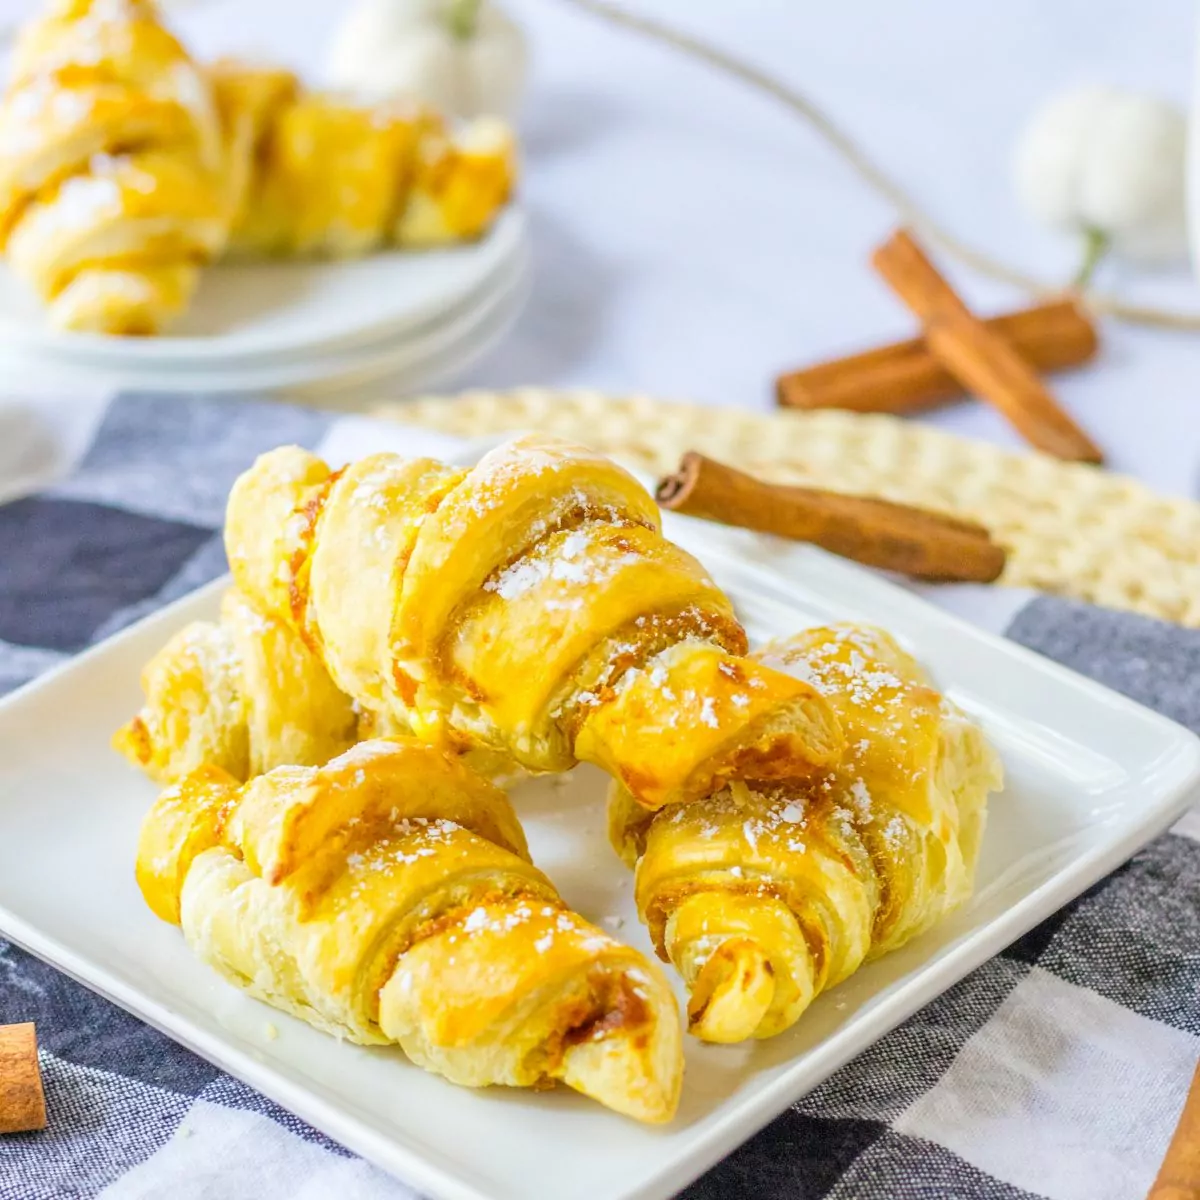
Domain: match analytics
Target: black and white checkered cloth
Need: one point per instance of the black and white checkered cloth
(1056, 1070)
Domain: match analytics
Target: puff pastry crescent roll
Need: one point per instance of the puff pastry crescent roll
(315, 174)
(244, 694)
(388, 897)
(111, 168)
(762, 896)
(247, 694)
(529, 605)
(125, 167)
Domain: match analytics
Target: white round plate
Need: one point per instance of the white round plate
(245, 311)
(380, 380)
(307, 364)
(443, 349)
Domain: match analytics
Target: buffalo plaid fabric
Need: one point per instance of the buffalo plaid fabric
(1055, 1070)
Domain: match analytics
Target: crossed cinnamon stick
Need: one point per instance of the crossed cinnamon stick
(907, 377)
(998, 360)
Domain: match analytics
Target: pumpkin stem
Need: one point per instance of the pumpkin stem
(1096, 245)
(463, 18)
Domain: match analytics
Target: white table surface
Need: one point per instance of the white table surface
(692, 239)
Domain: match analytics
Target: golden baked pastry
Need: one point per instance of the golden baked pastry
(764, 896)
(124, 167)
(244, 694)
(247, 99)
(460, 180)
(110, 167)
(531, 606)
(388, 898)
(317, 174)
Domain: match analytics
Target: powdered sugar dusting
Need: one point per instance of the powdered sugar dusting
(576, 559)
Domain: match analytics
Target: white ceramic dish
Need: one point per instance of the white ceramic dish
(378, 378)
(1092, 777)
(273, 310)
(417, 359)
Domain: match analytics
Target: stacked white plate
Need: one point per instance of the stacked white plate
(323, 330)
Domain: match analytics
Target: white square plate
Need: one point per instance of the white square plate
(1091, 777)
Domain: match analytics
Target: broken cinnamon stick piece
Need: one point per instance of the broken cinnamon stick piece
(906, 377)
(22, 1102)
(1179, 1176)
(981, 360)
(878, 533)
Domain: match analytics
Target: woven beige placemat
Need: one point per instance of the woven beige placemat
(1071, 529)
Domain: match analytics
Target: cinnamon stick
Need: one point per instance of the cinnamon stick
(878, 533)
(22, 1102)
(906, 377)
(981, 360)
(1179, 1176)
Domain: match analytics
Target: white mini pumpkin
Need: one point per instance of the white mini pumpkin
(1108, 165)
(465, 58)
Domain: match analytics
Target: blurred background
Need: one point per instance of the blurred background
(692, 239)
